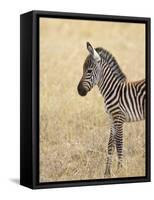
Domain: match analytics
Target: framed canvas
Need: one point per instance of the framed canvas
(85, 99)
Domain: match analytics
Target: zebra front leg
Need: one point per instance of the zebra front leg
(111, 147)
(119, 143)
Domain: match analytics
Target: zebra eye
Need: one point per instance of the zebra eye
(89, 70)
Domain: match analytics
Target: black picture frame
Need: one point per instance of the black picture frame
(29, 99)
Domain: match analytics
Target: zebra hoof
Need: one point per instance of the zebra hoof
(107, 173)
(119, 167)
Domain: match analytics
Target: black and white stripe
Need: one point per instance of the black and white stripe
(124, 101)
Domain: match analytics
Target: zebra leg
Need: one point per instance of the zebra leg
(111, 147)
(119, 143)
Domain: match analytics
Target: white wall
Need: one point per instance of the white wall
(9, 98)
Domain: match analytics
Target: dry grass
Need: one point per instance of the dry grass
(74, 131)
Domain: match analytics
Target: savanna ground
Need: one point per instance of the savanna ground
(74, 130)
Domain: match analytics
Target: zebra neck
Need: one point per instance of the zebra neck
(110, 81)
(110, 74)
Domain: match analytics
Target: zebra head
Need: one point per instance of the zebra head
(91, 71)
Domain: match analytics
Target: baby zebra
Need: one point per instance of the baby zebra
(124, 101)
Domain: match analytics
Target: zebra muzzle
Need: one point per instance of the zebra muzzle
(81, 90)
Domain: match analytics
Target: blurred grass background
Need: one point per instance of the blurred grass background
(74, 130)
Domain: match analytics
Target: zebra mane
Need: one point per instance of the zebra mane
(110, 59)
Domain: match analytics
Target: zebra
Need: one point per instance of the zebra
(124, 101)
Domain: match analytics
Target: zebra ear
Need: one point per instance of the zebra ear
(93, 52)
(90, 48)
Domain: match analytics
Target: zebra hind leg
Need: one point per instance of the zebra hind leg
(111, 147)
(119, 145)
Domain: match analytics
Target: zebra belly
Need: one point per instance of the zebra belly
(131, 103)
(130, 118)
(131, 115)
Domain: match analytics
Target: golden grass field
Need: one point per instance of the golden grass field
(74, 130)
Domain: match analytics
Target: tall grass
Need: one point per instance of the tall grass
(74, 130)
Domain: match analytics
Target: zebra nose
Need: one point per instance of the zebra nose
(81, 90)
